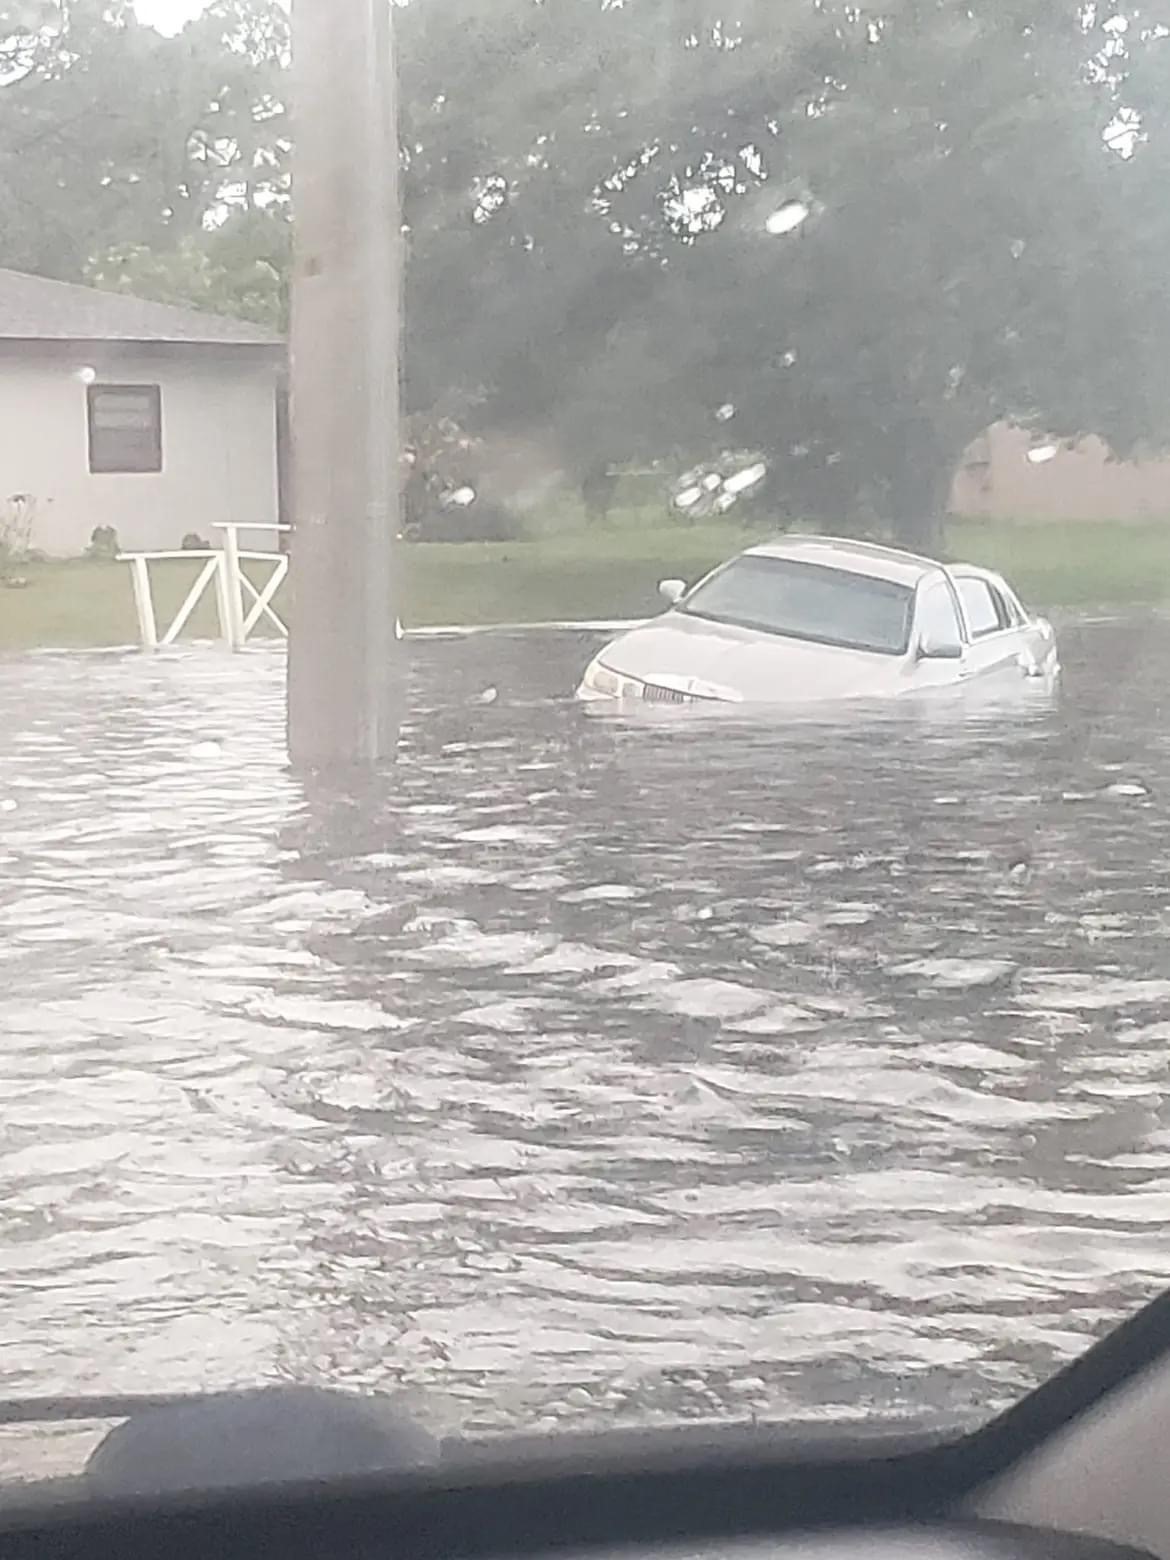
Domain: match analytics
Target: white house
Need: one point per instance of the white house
(153, 420)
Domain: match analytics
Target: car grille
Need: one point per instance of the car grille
(658, 695)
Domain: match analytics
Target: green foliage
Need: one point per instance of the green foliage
(239, 269)
(590, 226)
(148, 163)
(588, 188)
(104, 546)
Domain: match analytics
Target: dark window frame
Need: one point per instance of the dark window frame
(147, 463)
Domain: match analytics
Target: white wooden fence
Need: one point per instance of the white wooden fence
(223, 572)
(240, 604)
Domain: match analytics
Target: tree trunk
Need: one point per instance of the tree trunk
(921, 530)
(919, 485)
(597, 493)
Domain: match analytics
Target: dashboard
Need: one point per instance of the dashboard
(945, 1540)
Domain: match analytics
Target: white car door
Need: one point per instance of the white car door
(997, 635)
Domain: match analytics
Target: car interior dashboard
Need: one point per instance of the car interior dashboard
(1077, 1470)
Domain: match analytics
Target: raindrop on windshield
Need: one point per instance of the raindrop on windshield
(747, 478)
(787, 218)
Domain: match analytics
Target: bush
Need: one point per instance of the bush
(481, 521)
(16, 525)
(103, 544)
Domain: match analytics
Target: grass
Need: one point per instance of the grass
(610, 572)
(1072, 564)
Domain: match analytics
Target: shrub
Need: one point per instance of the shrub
(103, 544)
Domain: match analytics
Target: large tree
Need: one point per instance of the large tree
(599, 224)
(847, 238)
(135, 159)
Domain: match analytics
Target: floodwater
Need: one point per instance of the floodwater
(583, 1071)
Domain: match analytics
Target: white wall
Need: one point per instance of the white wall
(218, 433)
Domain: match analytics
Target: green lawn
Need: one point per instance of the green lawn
(1079, 563)
(597, 573)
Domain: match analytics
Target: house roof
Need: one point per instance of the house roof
(33, 308)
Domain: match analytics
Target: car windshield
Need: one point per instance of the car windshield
(428, 965)
(809, 601)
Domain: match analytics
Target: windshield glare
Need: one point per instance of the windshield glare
(807, 601)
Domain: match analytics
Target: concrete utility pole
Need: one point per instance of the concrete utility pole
(344, 655)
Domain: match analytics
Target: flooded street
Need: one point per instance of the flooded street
(585, 1071)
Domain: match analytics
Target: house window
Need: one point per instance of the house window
(125, 428)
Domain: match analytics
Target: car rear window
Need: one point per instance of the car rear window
(807, 601)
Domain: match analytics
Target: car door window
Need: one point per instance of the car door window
(936, 618)
(982, 608)
(1014, 614)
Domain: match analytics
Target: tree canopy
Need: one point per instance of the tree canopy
(843, 239)
(850, 238)
(135, 160)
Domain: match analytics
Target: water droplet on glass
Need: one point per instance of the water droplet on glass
(1124, 133)
(752, 160)
(787, 218)
(749, 477)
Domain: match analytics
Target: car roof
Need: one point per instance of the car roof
(857, 557)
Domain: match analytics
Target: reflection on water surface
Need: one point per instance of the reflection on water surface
(582, 1071)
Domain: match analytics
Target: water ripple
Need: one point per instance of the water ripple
(580, 1070)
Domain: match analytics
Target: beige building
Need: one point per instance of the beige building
(1008, 474)
(153, 420)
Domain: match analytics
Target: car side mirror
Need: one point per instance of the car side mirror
(672, 591)
(931, 648)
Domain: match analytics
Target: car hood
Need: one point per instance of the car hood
(720, 660)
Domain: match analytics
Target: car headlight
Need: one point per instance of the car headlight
(607, 684)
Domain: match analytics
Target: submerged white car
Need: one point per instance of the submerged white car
(811, 618)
